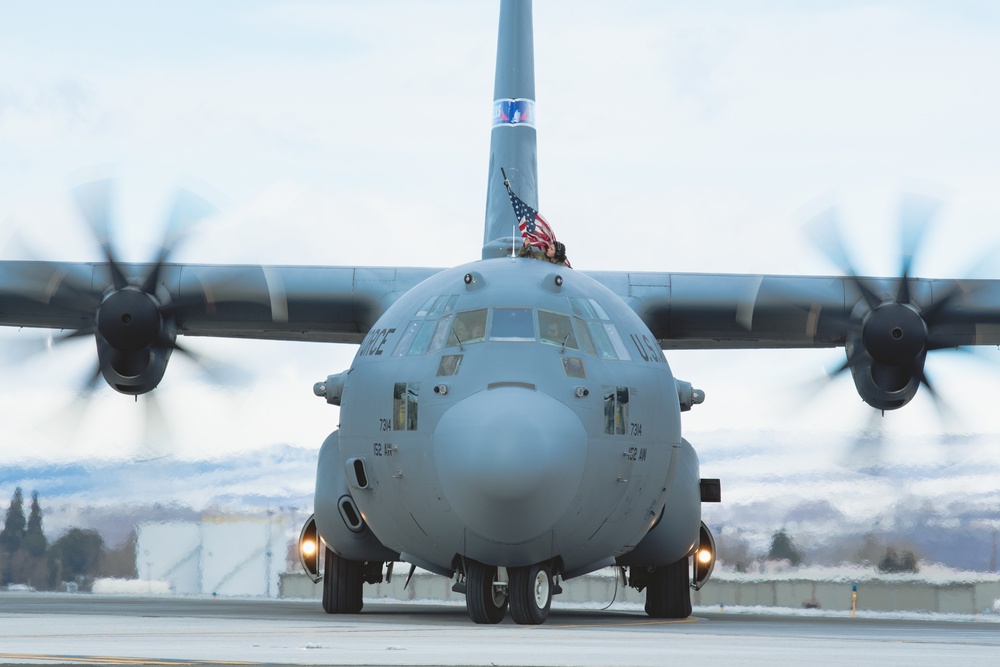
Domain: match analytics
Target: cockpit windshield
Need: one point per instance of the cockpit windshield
(470, 327)
(438, 326)
(512, 324)
(556, 329)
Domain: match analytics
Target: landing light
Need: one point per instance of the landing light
(308, 548)
(704, 558)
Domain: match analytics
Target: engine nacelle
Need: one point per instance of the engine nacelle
(134, 339)
(884, 386)
(132, 372)
(338, 520)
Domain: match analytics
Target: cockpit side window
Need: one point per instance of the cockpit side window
(450, 363)
(469, 327)
(423, 337)
(597, 334)
(600, 335)
(616, 341)
(582, 308)
(440, 334)
(403, 346)
(426, 308)
(512, 324)
(443, 305)
(436, 306)
(414, 340)
(556, 329)
(601, 314)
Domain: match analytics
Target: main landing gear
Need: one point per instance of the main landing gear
(343, 581)
(528, 593)
(342, 584)
(668, 591)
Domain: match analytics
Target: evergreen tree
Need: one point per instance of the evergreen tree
(14, 525)
(782, 548)
(77, 554)
(892, 562)
(34, 539)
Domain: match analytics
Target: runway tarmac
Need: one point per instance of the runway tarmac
(38, 628)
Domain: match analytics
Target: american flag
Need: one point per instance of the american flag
(532, 225)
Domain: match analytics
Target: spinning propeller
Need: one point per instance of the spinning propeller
(125, 307)
(891, 327)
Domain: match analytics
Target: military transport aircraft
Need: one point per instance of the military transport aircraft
(510, 423)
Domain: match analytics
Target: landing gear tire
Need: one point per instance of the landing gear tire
(342, 582)
(485, 601)
(530, 591)
(668, 594)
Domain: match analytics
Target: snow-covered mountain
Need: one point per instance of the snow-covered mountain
(939, 497)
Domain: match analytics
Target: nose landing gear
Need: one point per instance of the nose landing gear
(531, 591)
(485, 593)
(528, 593)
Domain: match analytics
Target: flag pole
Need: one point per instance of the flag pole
(513, 228)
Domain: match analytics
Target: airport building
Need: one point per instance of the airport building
(230, 556)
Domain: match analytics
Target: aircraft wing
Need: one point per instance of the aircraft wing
(304, 303)
(886, 325)
(725, 311)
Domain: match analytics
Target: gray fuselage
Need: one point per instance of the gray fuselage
(513, 411)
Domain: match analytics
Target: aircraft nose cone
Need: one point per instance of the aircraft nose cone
(511, 461)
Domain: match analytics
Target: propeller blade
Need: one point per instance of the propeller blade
(915, 215)
(187, 210)
(949, 418)
(93, 199)
(155, 439)
(823, 230)
(961, 289)
(65, 424)
(218, 373)
(24, 347)
(866, 453)
(854, 354)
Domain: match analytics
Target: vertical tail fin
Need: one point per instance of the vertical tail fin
(512, 143)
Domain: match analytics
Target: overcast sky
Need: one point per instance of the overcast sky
(673, 136)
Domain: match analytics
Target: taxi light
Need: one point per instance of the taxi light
(309, 549)
(704, 558)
